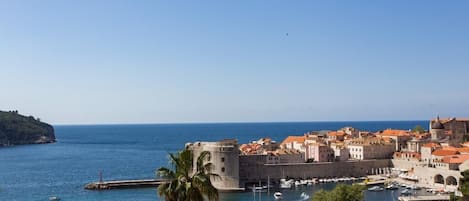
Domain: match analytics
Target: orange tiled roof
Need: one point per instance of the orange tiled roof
(463, 150)
(444, 152)
(450, 148)
(290, 139)
(421, 135)
(394, 132)
(456, 158)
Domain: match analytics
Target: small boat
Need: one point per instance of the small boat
(430, 190)
(286, 183)
(54, 198)
(259, 189)
(414, 187)
(391, 187)
(303, 182)
(278, 196)
(406, 192)
(297, 183)
(304, 196)
(376, 188)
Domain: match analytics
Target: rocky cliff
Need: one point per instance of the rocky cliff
(16, 129)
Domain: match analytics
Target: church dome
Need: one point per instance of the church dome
(437, 125)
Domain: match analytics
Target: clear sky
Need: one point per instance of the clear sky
(86, 62)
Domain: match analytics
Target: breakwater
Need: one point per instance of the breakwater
(107, 185)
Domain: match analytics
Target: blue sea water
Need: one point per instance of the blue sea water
(36, 172)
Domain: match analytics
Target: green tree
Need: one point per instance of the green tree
(186, 183)
(341, 192)
(418, 129)
(464, 185)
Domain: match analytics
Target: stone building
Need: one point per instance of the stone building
(336, 136)
(319, 152)
(400, 137)
(370, 148)
(294, 142)
(454, 130)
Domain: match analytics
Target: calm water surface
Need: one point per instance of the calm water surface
(35, 172)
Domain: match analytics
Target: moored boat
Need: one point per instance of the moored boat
(54, 198)
(376, 188)
(278, 196)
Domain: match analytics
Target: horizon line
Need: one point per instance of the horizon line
(225, 122)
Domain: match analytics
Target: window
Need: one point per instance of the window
(222, 159)
(223, 169)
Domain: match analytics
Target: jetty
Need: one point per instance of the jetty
(120, 184)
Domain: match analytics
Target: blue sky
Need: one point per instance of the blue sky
(86, 62)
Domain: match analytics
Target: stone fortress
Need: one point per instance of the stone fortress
(434, 158)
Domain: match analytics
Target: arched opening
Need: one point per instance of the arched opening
(439, 179)
(451, 181)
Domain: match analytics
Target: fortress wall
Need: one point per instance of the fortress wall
(254, 171)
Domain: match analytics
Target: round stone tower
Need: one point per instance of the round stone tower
(224, 155)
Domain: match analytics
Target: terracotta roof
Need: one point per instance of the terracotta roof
(431, 144)
(290, 139)
(421, 135)
(444, 152)
(450, 148)
(393, 132)
(456, 158)
(463, 150)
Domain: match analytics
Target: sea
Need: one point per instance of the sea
(36, 172)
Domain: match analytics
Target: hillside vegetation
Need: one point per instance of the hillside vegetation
(16, 129)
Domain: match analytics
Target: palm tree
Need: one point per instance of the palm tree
(185, 183)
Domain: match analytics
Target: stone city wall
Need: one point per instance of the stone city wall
(255, 171)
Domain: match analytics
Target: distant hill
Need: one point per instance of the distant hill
(16, 129)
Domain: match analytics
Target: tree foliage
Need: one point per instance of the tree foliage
(185, 182)
(19, 129)
(341, 192)
(418, 129)
(464, 185)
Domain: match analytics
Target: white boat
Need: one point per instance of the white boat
(303, 182)
(376, 188)
(258, 189)
(286, 183)
(304, 196)
(278, 196)
(392, 187)
(297, 183)
(406, 192)
(54, 198)
(414, 187)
